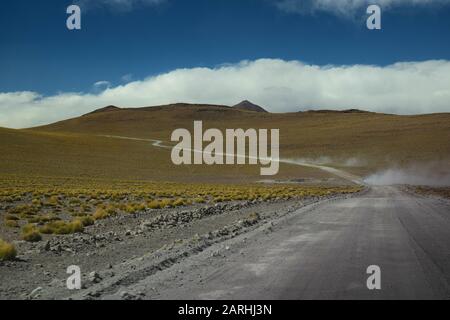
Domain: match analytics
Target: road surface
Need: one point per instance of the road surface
(324, 252)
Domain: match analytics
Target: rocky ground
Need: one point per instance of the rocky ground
(110, 252)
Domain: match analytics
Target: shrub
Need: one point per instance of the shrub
(111, 209)
(252, 218)
(30, 233)
(74, 202)
(32, 236)
(140, 207)
(154, 204)
(166, 203)
(179, 202)
(24, 210)
(48, 218)
(53, 201)
(133, 208)
(219, 199)
(11, 223)
(28, 227)
(199, 200)
(8, 199)
(85, 207)
(100, 214)
(76, 226)
(11, 217)
(87, 221)
(33, 219)
(160, 204)
(7, 251)
(62, 227)
(36, 202)
(51, 227)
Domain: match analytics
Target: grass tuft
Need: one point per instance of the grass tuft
(7, 251)
(30, 233)
(62, 227)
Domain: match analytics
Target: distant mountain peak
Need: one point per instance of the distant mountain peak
(249, 106)
(105, 109)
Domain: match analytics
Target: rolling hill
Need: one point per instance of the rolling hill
(362, 142)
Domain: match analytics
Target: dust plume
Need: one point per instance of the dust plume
(436, 174)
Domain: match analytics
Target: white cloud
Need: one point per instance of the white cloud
(102, 83)
(278, 85)
(100, 86)
(127, 77)
(348, 7)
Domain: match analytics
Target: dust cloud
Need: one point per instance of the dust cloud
(435, 174)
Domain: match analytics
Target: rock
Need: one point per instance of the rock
(215, 254)
(94, 277)
(22, 258)
(35, 293)
(47, 246)
(128, 233)
(56, 248)
(109, 274)
(57, 283)
(209, 236)
(94, 294)
(124, 295)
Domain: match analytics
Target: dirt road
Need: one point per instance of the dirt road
(322, 252)
(333, 171)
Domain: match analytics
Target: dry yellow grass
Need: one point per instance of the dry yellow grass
(62, 227)
(23, 201)
(30, 233)
(7, 251)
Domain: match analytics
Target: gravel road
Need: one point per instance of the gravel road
(322, 251)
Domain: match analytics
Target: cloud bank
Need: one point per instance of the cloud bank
(348, 7)
(277, 85)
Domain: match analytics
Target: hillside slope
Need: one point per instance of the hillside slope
(36, 155)
(361, 140)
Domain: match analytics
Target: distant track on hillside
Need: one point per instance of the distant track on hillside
(337, 172)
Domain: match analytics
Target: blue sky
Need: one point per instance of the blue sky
(39, 54)
(125, 41)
